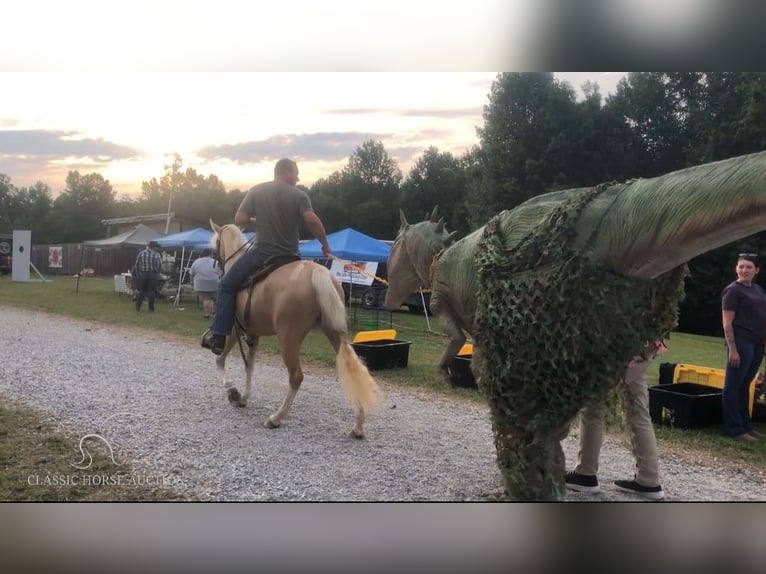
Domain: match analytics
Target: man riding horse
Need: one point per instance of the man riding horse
(275, 210)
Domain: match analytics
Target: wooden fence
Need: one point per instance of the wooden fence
(104, 261)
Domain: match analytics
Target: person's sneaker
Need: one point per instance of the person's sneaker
(213, 342)
(756, 434)
(581, 482)
(650, 492)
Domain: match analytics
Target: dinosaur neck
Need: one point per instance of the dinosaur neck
(423, 257)
(647, 227)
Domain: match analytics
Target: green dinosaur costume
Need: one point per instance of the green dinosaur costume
(562, 291)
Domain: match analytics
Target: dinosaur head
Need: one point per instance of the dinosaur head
(412, 254)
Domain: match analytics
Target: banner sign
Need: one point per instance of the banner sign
(351, 272)
(55, 258)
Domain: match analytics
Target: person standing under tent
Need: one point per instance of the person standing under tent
(146, 273)
(205, 274)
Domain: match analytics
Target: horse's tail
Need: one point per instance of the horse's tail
(354, 377)
(330, 302)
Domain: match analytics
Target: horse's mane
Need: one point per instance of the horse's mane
(239, 236)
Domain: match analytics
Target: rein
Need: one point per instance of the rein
(223, 262)
(436, 257)
(358, 269)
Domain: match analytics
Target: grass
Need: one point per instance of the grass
(97, 301)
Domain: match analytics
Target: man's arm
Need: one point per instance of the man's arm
(243, 220)
(316, 228)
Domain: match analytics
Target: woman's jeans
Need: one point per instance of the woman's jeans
(736, 387)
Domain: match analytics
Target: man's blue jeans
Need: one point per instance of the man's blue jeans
(228, 286)
(147, 287)
(736, 387)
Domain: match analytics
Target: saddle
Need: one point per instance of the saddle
(270, 265)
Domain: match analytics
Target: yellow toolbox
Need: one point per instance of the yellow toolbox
(706, 376)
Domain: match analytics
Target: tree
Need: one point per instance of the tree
(7, 215)
(187, 192)
(528, 141)
(437, 179)
(364, 195)
(680, 119)
(80, 208)
(25, 208)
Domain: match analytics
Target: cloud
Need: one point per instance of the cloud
(453, 113)
(61, 144)
(321, 146)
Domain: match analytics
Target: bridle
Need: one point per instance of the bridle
(222, 263)
(406, 245)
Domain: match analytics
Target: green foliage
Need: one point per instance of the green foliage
(25, 208)
(364, 195)
(195, 196)
(556, 329)
(437, 179)
(80, 208)
(526, 140)
(536, 138)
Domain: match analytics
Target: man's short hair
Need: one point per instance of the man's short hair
(206, 253)
(284, 165)
(153, 244)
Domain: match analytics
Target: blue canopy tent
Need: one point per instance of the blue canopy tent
(348, 244)
(195, 239)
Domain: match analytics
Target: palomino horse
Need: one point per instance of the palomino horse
(288, 303)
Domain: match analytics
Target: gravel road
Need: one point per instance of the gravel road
(161, 405)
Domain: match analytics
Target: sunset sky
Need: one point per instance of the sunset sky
(231, 86)
(233, 125)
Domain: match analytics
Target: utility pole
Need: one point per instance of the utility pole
(167, 219)
(174, 167)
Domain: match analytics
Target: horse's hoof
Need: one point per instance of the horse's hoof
(355, 434)
(234, 396)
(270, 424)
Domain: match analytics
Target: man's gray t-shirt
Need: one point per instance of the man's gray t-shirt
(278, 209)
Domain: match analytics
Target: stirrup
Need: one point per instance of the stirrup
(207, 342)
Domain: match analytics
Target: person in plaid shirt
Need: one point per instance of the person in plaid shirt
(146, 271)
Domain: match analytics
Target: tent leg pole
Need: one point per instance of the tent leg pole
(180, 278)
(79, 269)
(425, 311)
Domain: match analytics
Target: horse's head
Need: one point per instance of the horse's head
(412, 254)
(228, 242)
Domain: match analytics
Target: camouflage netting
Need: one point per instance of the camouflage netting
(556, 331)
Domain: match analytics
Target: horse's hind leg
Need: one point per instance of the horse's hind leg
(291, 358)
